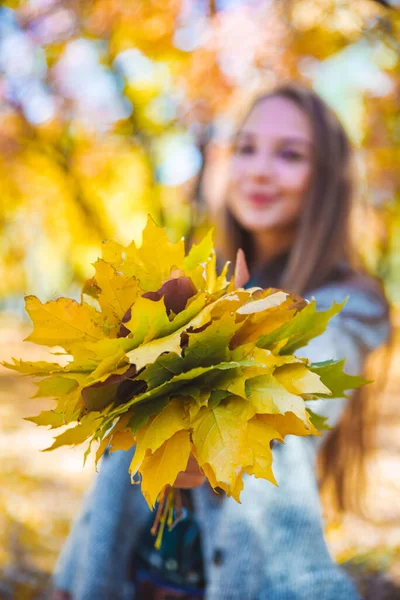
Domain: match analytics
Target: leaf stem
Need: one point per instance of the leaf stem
(161, 503)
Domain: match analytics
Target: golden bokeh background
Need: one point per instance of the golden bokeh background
(113, 109)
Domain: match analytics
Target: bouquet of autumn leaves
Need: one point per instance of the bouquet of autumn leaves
(169, 356)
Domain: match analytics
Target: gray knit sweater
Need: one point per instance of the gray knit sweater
(269, 547)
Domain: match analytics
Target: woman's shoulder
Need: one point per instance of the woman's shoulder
(366, 299)
(363, 321)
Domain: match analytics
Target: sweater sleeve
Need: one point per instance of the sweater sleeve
(95, 560)
(281, 528)
(353, 334)
(68, 559)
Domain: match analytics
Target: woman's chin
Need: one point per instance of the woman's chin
(258, 224)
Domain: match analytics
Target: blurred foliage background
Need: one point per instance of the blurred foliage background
(108, 109)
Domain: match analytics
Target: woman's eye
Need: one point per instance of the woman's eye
(246, 149)
(292, 155)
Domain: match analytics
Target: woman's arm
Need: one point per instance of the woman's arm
(95, 560)
(361, 327)
(281, 528)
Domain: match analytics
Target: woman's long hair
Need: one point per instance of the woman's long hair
(322, 243)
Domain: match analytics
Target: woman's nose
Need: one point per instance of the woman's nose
(261, 167)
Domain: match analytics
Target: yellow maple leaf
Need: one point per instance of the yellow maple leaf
(48, 418)
(259, 436)
(297, 379)
(290, 424)
(152, 262)
(271, 360)
(260, 323)
(236, 489)
(214, 282)
(194, 263)
(233, 489)
(119, 256)
(87, 355)
(148, 320)
(269, 396)
(122, 440)
(219, 435)
(234, 381)
(229, 303)
(156, 255)
(206, 468)
(199, 253)
(65, 388)
(147, 353)
(64, 322)
(162, 467)
(270, 301)
(39, 368)
(79, 433)
(118, 293)
(115, 364)
(174, 417)
(171, 419)
(118, 438)
(102, 448)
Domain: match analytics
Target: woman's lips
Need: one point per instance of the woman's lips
(259, 199)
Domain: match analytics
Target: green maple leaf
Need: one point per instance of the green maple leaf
(143, 412)
(321, 423)
(173, 385)
(332, 375)
(175, 360)
(48, 417)
(199, 253)
(149, 319)
(40, 367)
(78, 434)
(58, 385)
(305, 325)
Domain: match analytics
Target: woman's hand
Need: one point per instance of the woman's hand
(60, 595)
(242, 274)
(192, 477)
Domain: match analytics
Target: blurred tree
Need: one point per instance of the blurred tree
(369, 106)
(106, 107)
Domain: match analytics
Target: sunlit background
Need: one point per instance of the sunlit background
(108, 109)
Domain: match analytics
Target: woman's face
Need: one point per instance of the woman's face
(271, 166)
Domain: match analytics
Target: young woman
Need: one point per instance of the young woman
(288, 207)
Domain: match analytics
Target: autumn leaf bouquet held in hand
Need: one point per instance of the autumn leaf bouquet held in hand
(169, 356)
